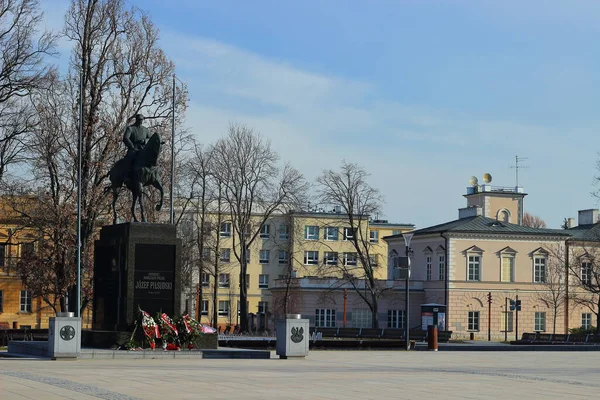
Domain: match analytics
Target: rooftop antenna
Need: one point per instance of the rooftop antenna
(517, 166)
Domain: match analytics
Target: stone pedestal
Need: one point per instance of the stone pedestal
(292, 337)
(64, 337)
(136, 265)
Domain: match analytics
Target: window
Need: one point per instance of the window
(25, 301)
(284, 257)
(1, 301)
(247, 280)
(225, 230)
(331, 233)
(311, 258)
(263, 281)
(474, 270)
(442, 268)
(264, 256)
(586, 273)
(539, 269)
(223, 308)
(507, 321)
(225, 255)
(205, 279)
(265, 231)
(362, 318)
(395, 319)
(206, 254)
(331, 258)
(262, 307)
(204, 307)
(396, 232)
(586, 320)
(350, 259)
(374, 260)
(223, 280)
(374, 236)
(247, 254)
(324, 318)
(349, 233)
(506, 273)
(311, 232)
(428, 264)
(2, 254)
(473, 321)
(284, 232)
(27, 249)
(539, 321)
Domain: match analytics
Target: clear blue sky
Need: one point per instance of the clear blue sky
(422, 93)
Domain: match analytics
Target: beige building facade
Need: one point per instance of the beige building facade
(480, 262)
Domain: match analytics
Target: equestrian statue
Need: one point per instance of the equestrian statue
(138, 168)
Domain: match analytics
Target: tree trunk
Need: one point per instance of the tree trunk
(598, 317)
(374, 311)
(243, 290)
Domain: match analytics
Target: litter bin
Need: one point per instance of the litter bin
(64, 336)
(432, 337)
(292, 337)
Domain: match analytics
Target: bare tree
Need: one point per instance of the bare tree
(23, 70)
(552, 281)
(350, 190)
(123, 71)
(584, 268)
(533, 221)
(254, 188)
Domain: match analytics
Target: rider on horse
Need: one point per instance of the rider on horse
(135, 138)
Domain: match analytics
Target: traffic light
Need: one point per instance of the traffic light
(515, 305)
(489, 297)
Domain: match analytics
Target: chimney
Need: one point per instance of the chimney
(571, 223)
(469, 212)
(588, 217)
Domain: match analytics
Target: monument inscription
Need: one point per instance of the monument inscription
(154, 277)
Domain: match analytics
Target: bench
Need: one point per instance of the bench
(348, 333)
(328, 332)
(392, 333)
(370, 333)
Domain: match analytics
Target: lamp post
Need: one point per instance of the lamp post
(172, 210)
(78, 249)
(407, 237)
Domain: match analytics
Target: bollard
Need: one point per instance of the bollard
(432, 337)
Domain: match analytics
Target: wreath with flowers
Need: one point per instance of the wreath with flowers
(168, 331)
(189, 331)
(150, 328)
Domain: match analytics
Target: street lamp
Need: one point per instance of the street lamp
(171, 192)
(407, 237)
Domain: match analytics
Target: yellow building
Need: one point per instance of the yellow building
(288, 246)
(18, 307)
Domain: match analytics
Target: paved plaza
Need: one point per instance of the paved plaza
(323, 375)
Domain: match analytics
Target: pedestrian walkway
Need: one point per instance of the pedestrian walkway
(322, 375)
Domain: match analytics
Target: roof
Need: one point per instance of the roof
(481, 224)
(589, 232)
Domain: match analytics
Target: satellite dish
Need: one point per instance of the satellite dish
(473, 181)
(487, 178)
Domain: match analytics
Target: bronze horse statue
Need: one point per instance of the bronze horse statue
(136, 174)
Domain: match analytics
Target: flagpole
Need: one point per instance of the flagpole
(79, 144)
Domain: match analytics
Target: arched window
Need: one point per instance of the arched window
(503, 215)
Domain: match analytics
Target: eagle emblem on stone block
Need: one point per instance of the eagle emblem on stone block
(297, 334)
